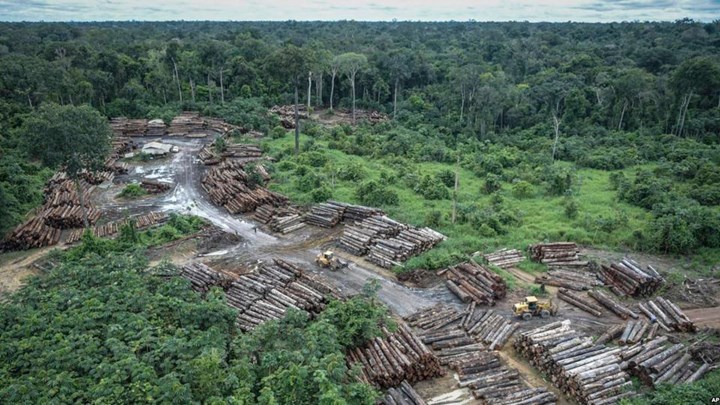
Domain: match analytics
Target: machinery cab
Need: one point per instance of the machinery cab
(328, 255)
(532, 303)
(532, 307)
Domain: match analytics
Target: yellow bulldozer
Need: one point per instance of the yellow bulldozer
(532, 307)
(328, 260)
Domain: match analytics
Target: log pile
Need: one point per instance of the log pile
(185, 124)
(628, 278)
(268, 292)
(397, 357)
(358, 238)
(588, 373)
(202, 277)
(286, 224)
(154, 187)
(33, 233)
(609, 303)
(634, 332)
(358, 212)
(667, 315)
(208, 156)
(654, 362)
(570, 279)
(408, 243)
(122, 126)
(557, 255)
(472, 282)
(504, 258)
(156, 127)
(325, 215)
(492, 329)
(113, 165)
(287, 114)
(403, 395)
(68, 216)
(227, 185)
(579, 302)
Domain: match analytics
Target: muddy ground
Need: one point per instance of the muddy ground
(238, 244)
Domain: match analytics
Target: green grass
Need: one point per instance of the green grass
(602, 220)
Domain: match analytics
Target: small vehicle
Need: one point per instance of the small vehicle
(532, 307)
(328, 260)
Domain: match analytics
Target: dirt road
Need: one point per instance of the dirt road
(705, 316)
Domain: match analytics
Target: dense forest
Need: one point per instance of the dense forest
(499, 135)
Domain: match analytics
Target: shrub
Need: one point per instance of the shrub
(376, 194)
(314, 159)
(447, 177)
(432, 189)
(522, 189)
(309, 182)
(278, 132)
(433, 218)
(321, 194)
(559, 179)
(352, 172)
(132, 190)
(571, 208)
(254, 177)
(220, 145)
(492, 184)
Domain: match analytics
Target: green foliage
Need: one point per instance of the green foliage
(278, 132)
(696, 393)
(446, 177)
(132, 190)
(321, 194)
(357, 320)
(376, 194)
(571, 208)
(522, 189)
(352, 172)
(559, 179)
(220, 145)
(493, 183)
(433, 219)
(432, 189)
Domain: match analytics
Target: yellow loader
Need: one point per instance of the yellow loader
(532, 307)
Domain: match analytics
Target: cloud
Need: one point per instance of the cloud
(371, 10)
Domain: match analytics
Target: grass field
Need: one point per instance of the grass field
(601, 221)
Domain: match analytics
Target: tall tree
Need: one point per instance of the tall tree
(334, 70)
(74, 139)
(291, 64)
(695, 77)
(351, 63)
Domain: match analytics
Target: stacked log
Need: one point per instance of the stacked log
(325, 215)
(667, 315)
(156, 127)
(358, 238)
(286, 224)
(588, 373)
(579, 302)
(208, 156)
(492, 329)
(113, 165)
(242, 151)
(227, 186)
(408, 243)
(268, 292)
(187, 123)
(33, 233)
(504, 258)
(609, 303)
(388, 361)
(117, 126)
(68, 216)
(627, 278)
(472, 282)
(573, 280)
(403, 395)
(654, 362)
(558, 255)
(433, 318)
(358, 212)
(154, 187)
(136, 127)
(287, 114)
(202, 277)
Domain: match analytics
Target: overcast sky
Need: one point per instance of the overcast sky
(373, 10)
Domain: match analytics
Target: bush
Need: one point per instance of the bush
(492, 184)
(433, 219)
(321, 194)
(132, 191)
(220, 145)
(446, 177)
(522, 189)
(352, 172)
(309, 182)
(278, 132)
(571, 208)
(559, 179)
(314, 159)
(432, 189)
(375, 194)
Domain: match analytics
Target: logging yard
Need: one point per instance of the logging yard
(623, 325)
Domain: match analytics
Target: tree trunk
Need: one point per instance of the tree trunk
(683, 112)
(462, 103)
(309, 92)
(332, 89)
(192, 90)
(455, 192)
(395, 99)
(556, 125)
(352, 79)
(29, 100)
(81, 197)
(177, 79)
(622, 115)
(297, 122)
(209, 89)
(222, 90)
